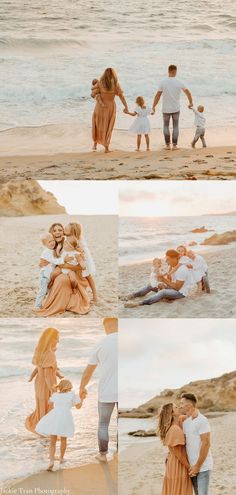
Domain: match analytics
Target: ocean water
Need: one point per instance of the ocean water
(142, 239)
(50, 52)
(17, 446)
(127, 425)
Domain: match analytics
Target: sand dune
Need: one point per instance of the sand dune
(21, 249)
(221, 303)
(91, 479)
(141, 467)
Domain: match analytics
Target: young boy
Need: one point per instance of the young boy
(200, 123)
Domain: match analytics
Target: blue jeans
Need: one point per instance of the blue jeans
(43, 288)
(105, 410)
(201, 483)
(161, 294)
(145, 290)
(166, 127)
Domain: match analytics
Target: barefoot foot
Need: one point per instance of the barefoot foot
(101, 457)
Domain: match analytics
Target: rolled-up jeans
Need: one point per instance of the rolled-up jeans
(162, 294)
(166, 127)
(201, 483)
(105, 410)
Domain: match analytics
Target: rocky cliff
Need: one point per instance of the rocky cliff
(23, 198)
(215, 394)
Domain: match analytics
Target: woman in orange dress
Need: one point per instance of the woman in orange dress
(177, 480)
(61, 297)
(104, 114)
(45, 374)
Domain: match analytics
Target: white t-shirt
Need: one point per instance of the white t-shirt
(199, 120)
(171, 90)
(106, 356)
(182, 274)
(48, 255)
(153, 278)
(193, 428)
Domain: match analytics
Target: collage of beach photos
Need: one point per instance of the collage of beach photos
(118, 247)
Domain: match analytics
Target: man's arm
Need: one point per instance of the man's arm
(173, 285)
(86, 377)
(205, 446)
(189, 96)
(156, 100)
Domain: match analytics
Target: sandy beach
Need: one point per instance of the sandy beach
(141, 467)
(91, 479)
(220, 303)
(32, 153)
(20, 256)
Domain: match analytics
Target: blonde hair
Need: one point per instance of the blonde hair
(109, 79)
(76, 230)
(44, 345)
(200, 108)
(184, 248)
(63, 386)
(45, 236)
(165, 420)
(73, 241)
(140, 101)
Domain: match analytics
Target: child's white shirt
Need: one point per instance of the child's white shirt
(153, 278)
(143, 112)
(47, 255)
(199, 120)
(72, 262)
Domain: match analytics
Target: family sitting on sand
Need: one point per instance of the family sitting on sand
(185, 269)
(52, 416)
(107, 88)
(66, 270)
(186, 433)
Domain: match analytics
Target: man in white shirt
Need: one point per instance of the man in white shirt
(177, 284)
(170, 89)
(105, 356)
(197, 433)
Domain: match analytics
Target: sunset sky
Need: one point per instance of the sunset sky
(155, 354)
(176, 198)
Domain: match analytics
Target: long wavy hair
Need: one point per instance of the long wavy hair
(184, 249)
(45, 344)
(57, 243)
(75, 230)
(109, 79)
(165, 420)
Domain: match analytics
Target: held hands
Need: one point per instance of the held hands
(126, 110)
(83, 393)
(190, 106)
(193, 470)
(68, 258)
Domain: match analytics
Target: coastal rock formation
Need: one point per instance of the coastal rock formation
(214, 395)
(23, 198)
(218, 239)
(201, 230)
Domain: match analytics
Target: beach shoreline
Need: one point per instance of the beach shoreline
(89, 479)
(56, 151)
(220, 303)
(141, 466)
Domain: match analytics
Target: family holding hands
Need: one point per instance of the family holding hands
(107, 88)
(52, 416)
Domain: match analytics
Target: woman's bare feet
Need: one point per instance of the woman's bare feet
(101, 457)
(107, 149)
(94, 147)
(50, 467)
(62, 460)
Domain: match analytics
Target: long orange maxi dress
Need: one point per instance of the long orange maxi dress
(176, 480)
(45, 379)
(103, 119)
(61, 297)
